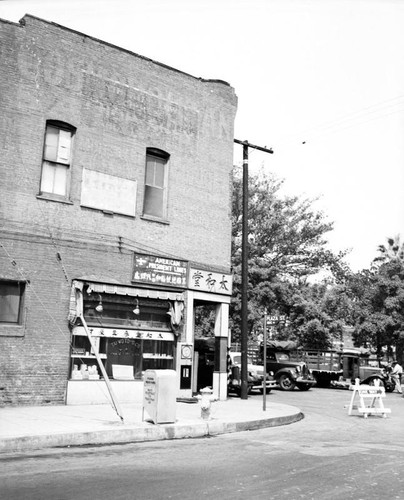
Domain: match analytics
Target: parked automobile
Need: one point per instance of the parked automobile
(288, 373)
(358, 364)
(255, 375)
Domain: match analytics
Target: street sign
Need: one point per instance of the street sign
(272, 320)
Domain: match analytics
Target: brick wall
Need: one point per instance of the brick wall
(120, 104)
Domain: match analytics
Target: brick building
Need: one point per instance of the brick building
(115, 201)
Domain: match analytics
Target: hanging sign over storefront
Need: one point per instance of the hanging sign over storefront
(208, 281)
(156, 270)
(124, 333)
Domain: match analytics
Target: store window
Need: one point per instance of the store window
(155, 193)
(56, 162)
(11, 302)
(131, 335)
(123, 311)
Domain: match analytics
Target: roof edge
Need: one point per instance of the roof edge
(22, 22)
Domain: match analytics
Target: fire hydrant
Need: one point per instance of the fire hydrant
(206, 398)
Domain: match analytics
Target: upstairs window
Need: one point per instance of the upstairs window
(55, 178)
(11, 297)
(155, 194)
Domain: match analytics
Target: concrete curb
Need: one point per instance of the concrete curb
(145, 433)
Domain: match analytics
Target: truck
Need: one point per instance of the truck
(357, 363)
(325, 366)
(332, 368)
(288, 371)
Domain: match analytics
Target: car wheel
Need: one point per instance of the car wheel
(286, 383)
(304, 387)
(372, 382)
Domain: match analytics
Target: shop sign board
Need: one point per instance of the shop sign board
(152, 269)
(108, 192)
(209, 281)
(124, 333)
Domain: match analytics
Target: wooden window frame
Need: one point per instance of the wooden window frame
(58, 163)
(148, 212)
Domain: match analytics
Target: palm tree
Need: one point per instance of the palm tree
(393, 251)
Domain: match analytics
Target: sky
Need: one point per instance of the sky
(321, 82)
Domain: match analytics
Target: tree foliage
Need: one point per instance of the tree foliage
(394, 250)
(380, 306)
(287, 245)
(318, 314)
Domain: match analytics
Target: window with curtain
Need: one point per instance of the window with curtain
(56, 164)
(155, 194)
(11, 297)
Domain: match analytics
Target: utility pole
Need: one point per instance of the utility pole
(244, 267)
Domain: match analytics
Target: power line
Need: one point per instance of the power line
(352, 119)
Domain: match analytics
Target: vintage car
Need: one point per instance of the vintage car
(287, 372)
(255, 375)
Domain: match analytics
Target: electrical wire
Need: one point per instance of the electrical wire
(350, 120)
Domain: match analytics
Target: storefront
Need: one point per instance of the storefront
(127, 329)
(120, 331)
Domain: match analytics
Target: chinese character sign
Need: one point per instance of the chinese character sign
(159, 270)
(208, 281)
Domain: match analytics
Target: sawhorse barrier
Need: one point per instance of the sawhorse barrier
(370, 399)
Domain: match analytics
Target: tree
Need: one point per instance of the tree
(286, 246)
(380, 307)
(393, 251)
(317, 315)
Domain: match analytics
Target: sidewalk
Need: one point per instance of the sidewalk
(39, 427)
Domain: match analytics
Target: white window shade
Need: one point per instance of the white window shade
(63, 152)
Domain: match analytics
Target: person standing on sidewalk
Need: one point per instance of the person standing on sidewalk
(396, 374)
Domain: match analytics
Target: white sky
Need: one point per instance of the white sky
(329, 73)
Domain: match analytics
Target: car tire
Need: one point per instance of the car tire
(286, 383)
(372, 381)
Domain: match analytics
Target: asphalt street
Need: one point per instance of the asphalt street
(327, 455)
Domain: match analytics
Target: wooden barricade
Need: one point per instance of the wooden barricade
(370, 399)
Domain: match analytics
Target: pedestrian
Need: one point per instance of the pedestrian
(396, 374)
(229, 366)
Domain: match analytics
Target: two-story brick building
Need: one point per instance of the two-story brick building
(115, 216)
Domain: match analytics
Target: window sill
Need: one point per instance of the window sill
(151, 218)
(7, 330)
(53, 198)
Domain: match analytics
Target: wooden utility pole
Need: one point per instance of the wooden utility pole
(244, 267)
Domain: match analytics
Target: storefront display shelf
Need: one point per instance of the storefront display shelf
(89, 356)
(151, 356)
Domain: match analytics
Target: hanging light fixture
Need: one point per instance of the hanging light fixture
(99, 308)
(136, 310)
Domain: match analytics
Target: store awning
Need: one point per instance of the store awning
(78, 286)
(133, 291)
